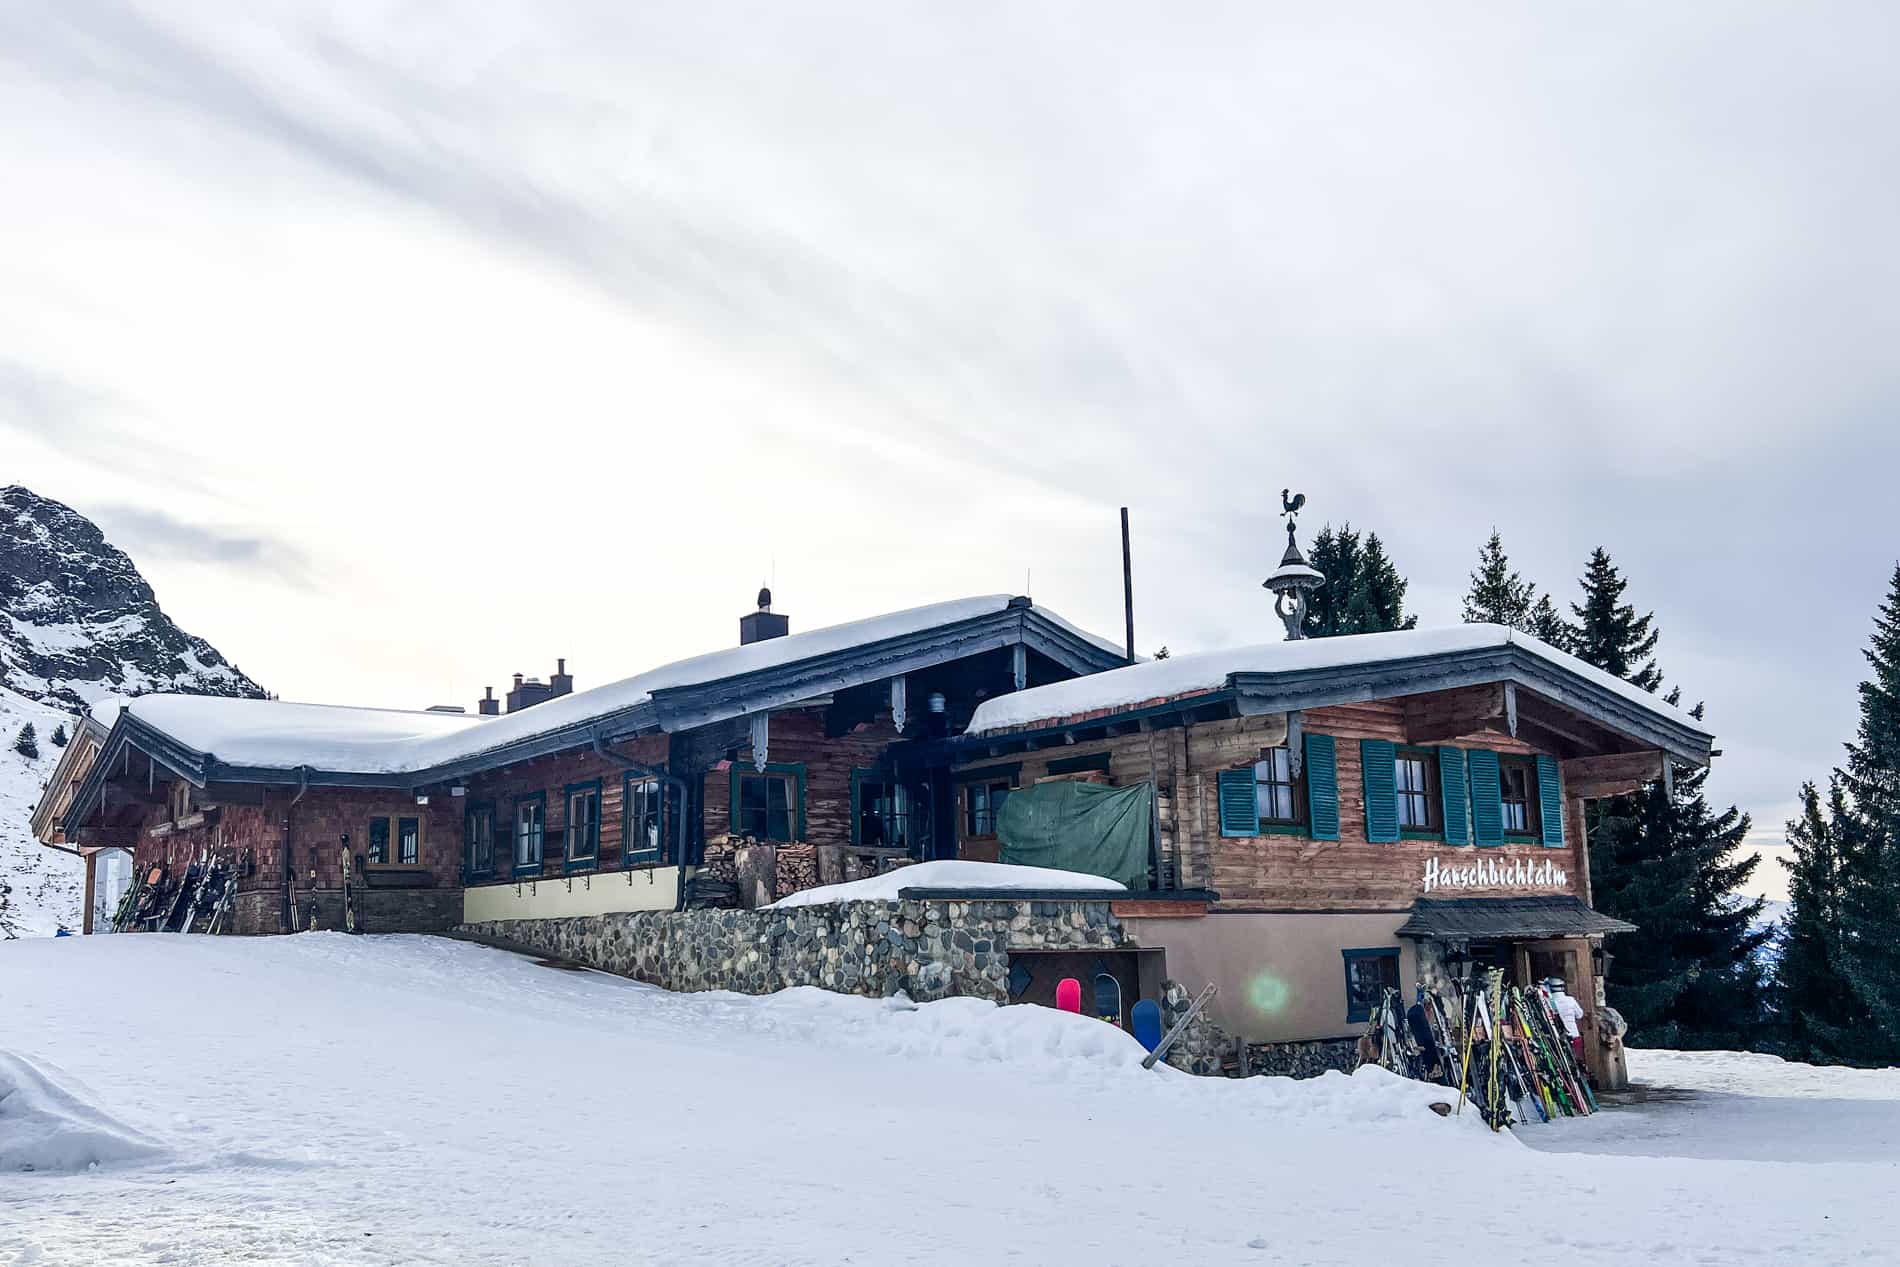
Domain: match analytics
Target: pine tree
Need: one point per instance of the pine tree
(1498, 595)
(1816, 1014)
(1690, 976)
(1608, 632)
(59, 735)
(1546, 625)
(1335, 555)
(26, 743)
(1363, 593)
(1870, 836)
(1378, 594)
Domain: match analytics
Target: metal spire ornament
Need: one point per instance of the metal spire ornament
(1294, 579)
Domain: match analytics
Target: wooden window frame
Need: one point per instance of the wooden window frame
(1298, 825)
(471, 813)
(793, 773)
(397, 836)
(1356, 1015)
(967, 794)
(371, 856)
(519, 867)
(1432, 794)
(570, 859)
(632, 825)
(1533, 829)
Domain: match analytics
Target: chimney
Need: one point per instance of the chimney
(562, 682)
(757, 626)
(488, 705)
(527, 693)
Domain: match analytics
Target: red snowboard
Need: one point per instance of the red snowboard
(1069, 994)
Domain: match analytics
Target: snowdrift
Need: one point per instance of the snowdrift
(47, 1124)
(950, 874)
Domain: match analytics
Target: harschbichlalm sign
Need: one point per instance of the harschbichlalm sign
(1495, 873)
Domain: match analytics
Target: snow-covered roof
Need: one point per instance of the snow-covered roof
(281, 735)
(1156, 681)
(275, 734)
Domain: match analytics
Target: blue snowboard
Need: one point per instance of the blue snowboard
(1146, 1019)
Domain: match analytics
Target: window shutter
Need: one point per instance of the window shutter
(1322, 787)
(1550, 800)
(1239, 811)
(1378, 765)
(1451, 787)
(1487, 809)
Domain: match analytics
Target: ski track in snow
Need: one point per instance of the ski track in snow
(320, 1099)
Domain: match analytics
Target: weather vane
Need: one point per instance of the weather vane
(1295, 578)
(1290, 507)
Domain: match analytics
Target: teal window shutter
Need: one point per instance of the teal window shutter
(1550, 800)
(1239, 811)
(1451, 785)
(1487, 808)
(1322, 787)
(1378, 763)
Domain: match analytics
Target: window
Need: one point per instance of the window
(982, 806)
(583, 824)
(1369, 974)
(531, 815)
(1417, 783)
(378, 841)
(886, 813)
(478, 832)
(409, 841)
(1517, 791)
(643, 820)
(1276, 796)
(768, 806)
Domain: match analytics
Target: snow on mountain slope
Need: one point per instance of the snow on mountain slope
(40, 888)
(77, 621)
(337, 1100)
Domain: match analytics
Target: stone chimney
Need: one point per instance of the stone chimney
(488, 705)
(562, 682)
(757, 626)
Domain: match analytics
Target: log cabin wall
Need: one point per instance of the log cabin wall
(1276, 873)
(551, 776)
(1297, 873)
(798, 738)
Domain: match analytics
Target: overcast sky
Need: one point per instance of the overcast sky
(405, 347)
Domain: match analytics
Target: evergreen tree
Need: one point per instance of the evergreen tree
(1335, 555)
(1498, 595)
(1816, 1014)
(26, 743)
(1546, 625)
(1608, 632)
(1690, 976)
(1378, 594)
(1363, 593)
(1869, 836)
(59, 735)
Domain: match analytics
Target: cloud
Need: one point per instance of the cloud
(149, 532)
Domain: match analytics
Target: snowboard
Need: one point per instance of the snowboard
(1145, 1018)
(1069, 995)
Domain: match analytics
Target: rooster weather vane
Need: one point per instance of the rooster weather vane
(1294, 579)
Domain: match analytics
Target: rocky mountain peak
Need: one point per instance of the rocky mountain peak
(78, 622)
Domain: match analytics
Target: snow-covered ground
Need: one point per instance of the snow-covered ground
(323, 1100)
(40, 888)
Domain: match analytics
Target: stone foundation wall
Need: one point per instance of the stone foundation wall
(1303, 1060)
(927, 950)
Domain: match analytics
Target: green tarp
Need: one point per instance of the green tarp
(1075, 826)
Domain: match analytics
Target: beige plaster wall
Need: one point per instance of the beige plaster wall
(1282, 978)
(602, 894)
